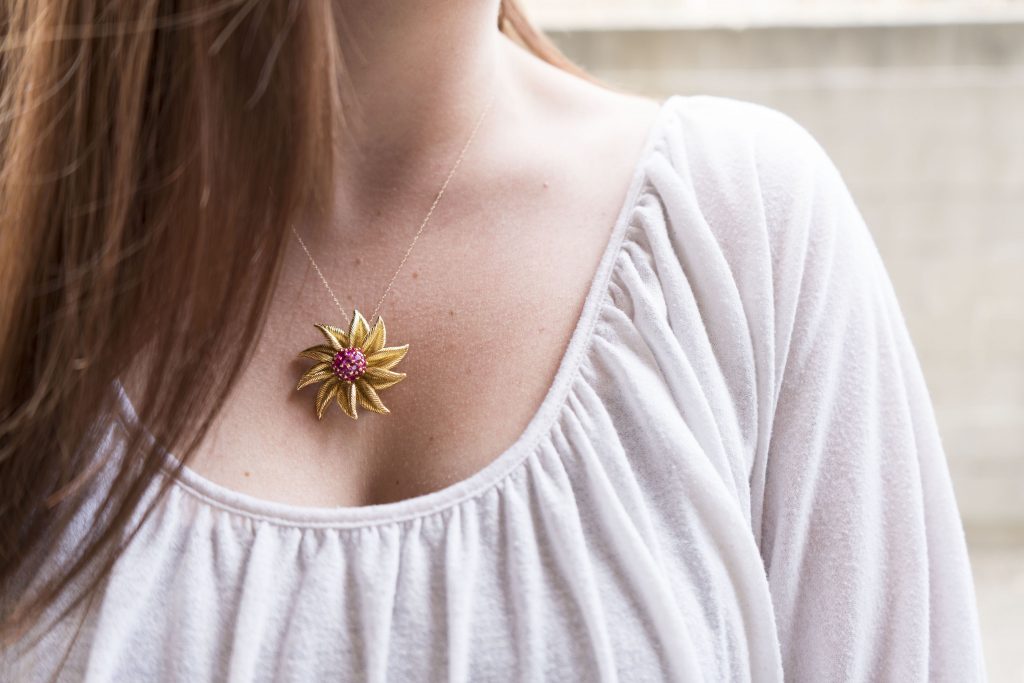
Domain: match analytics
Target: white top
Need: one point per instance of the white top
(736, 475)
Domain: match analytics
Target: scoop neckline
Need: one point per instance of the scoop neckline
(482, 480)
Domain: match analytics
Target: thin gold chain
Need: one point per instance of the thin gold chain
(437, 199)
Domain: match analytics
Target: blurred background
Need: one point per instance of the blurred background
(920, 103)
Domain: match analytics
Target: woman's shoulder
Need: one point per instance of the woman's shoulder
(751, 174)
(738, 141)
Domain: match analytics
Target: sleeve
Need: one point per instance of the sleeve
(857, 523)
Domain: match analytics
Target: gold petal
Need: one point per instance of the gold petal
(375, 340)
(351, 391)
(324, 397)
(358, 329)
(387, 357)
(368, 398)
(335, 336)
(317, 373)
(321, 353)
(379, 378)
(344, 398)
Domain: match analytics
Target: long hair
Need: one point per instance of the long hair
(151, 154)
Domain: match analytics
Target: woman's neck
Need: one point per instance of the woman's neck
(415, 75)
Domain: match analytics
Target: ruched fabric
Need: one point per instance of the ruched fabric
(735, 475)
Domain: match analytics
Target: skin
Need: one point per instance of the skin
(493, 289)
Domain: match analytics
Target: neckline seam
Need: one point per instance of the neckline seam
(474, 487)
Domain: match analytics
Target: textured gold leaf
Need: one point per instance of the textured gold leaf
(379, 378)
(342, 397)
(387, 357)
(321, 353)
(325, 395)
(368, 398)
(317, 373)
(358, 329)
(336, 337)
(350, 398)
(375, 340)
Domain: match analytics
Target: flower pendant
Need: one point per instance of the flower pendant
(353, 366)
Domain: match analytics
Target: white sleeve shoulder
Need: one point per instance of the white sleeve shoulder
(851, 499)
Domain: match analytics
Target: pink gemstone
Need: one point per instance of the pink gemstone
(349, 364)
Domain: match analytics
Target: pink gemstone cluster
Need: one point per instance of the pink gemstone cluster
(349, 364)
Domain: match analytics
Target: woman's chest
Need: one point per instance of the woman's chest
(488, 320)
(487, 302)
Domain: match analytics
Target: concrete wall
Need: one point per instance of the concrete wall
(926, 123)
(594, 14)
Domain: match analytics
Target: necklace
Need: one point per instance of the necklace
(353, 363)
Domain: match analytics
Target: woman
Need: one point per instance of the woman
(645, 407)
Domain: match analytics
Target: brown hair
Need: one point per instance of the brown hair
(152, 153)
